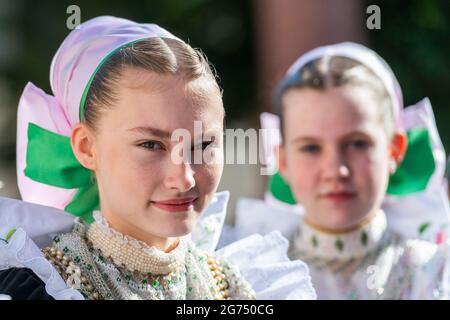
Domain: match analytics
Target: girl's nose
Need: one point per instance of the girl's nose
(334, 166)
(180, 177)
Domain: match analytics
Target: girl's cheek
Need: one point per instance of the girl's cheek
(302, 166)
(302, 178)
(207, 177)
(369, 170)
(213, 161)
(303, 189)
(143, 167)
(210, 172)
(362, 166)
(144, 156)
(377, 159)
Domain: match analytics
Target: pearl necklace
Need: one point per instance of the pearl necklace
(70, 272)
(132, 254)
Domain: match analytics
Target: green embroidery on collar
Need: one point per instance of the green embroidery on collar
(364, 238)
(339, 244)
(314, 241)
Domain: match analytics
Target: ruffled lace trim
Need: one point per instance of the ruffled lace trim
(264, 264)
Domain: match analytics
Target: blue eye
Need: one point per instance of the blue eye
(152, 145)
(359, 144)
(310, 148)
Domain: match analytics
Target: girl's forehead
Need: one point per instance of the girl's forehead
(167, 89)
(166, 108)
(330, 113)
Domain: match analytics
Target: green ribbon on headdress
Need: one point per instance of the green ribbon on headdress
(412, 175)
(50, 160)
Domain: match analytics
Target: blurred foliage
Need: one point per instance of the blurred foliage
(415, 40)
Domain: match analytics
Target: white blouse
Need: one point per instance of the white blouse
(372, 262)
(261, 260)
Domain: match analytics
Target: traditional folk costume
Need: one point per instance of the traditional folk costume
(46, 253)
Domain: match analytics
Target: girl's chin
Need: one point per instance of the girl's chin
(182, 228)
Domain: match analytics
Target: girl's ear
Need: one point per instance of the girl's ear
(82, 142)
(398, 147)
(280, 155)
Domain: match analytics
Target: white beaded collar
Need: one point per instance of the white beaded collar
(132, 254)
(356, 243)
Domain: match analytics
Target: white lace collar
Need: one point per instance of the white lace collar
(133, 254)
(356, 243)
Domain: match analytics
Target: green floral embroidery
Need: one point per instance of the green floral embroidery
(314, 241)
(339, 245)
(423, 227)
(364, 238)
(208, 232)
(156, 284)
(10, 234)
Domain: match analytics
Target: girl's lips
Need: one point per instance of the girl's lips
(175, 205)
(339, 196)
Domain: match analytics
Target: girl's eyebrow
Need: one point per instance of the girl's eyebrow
(152, 131)
(354, 133)
(305, 139)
